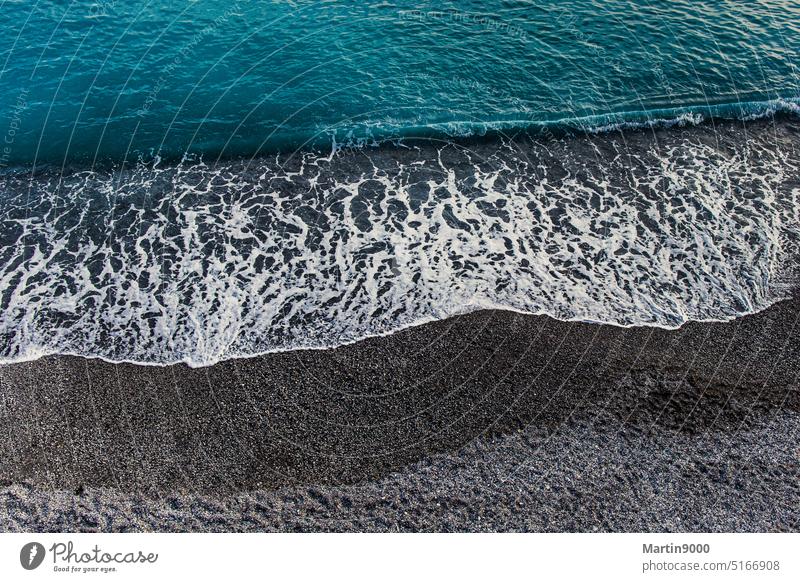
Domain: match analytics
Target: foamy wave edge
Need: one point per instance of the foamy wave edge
(779, 293)
(37, 353)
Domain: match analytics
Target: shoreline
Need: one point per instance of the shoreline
(268, 258)
(413, 415)
(468, 311)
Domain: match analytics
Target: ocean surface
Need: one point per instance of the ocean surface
(195, 181)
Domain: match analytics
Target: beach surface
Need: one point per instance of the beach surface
(491, 421)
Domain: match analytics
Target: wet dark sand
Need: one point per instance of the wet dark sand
(488, 421)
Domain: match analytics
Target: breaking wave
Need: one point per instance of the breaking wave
(197, 261)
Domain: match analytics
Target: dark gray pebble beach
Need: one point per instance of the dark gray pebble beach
(483, 422)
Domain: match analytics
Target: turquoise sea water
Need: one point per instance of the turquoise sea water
(112, 79)
(199, 180)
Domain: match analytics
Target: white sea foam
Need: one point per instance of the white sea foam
(199, 262)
